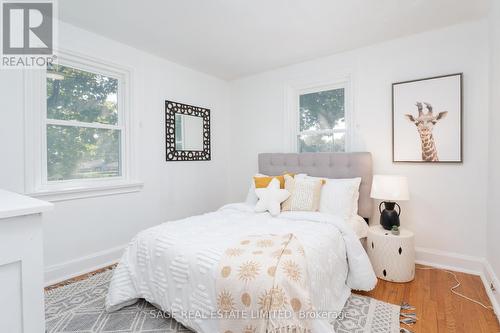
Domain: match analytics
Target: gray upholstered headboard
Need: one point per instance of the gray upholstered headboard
(328, 165)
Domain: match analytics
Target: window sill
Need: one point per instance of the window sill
(73, 193)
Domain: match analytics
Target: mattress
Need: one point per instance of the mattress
(174, 265)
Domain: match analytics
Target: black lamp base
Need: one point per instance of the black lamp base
(389, 217)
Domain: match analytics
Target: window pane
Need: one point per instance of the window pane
(79, 152)
(339, 142)
(73, 94)
(322, 110)
(322, 142)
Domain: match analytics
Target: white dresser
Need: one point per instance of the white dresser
(21, 263)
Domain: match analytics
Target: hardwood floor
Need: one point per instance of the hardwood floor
(79, 277)
(438, 310)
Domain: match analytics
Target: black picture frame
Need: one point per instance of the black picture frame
(460, 125)
(172, 154)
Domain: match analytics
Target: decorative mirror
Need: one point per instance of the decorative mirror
(187, 132)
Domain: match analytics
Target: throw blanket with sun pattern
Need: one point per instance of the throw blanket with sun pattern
(261, 286)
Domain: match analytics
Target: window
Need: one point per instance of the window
(322, 121)
(78, 139)
(83, 125)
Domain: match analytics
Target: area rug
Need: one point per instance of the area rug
(79, 307)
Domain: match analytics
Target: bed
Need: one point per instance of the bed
(176, 266)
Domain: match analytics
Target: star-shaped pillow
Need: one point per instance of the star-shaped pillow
(270, 198)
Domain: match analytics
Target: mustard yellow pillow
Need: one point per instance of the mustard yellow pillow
(262, 182)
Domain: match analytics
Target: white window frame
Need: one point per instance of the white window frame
(36, 121)
(292, 110)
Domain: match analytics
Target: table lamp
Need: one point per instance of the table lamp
(389, 189)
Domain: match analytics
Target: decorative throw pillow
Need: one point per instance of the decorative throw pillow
(262, 182)
(304, 194)
(270, 198)
(340, 196)
(251, 198)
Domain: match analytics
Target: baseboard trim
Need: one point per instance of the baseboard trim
(70, 269)
(449, 260)
(489, 277)
(465, 264)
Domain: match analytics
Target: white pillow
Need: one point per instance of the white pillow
(340, 196)
(251, 196)
(270, 198)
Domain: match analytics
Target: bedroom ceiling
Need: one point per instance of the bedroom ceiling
(234, 38)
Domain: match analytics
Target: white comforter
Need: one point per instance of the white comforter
(174, 265)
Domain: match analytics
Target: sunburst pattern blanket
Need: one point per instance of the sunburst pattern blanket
(262, 286)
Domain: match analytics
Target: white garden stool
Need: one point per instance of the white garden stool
(392, 256)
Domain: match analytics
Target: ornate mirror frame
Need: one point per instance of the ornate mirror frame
(172, 154)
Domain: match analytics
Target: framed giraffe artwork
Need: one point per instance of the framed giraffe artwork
(427, 120)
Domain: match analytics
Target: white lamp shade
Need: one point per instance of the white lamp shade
(390, 188)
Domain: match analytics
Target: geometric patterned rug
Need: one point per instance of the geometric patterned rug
(79, 307)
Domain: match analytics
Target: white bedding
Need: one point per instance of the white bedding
(358, 225)
(174, 265)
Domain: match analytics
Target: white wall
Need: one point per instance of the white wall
(447, 209)
(493, 231)
(80, 228)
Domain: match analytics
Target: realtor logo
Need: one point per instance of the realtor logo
(27, 33)
(27, 28)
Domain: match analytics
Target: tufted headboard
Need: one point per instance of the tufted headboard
(328, 165)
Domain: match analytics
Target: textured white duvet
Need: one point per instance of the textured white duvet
(174, 265)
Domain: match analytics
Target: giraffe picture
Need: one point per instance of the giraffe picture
(427, 120)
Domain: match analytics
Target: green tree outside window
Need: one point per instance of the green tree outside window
(83, 139)
(322, 121)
